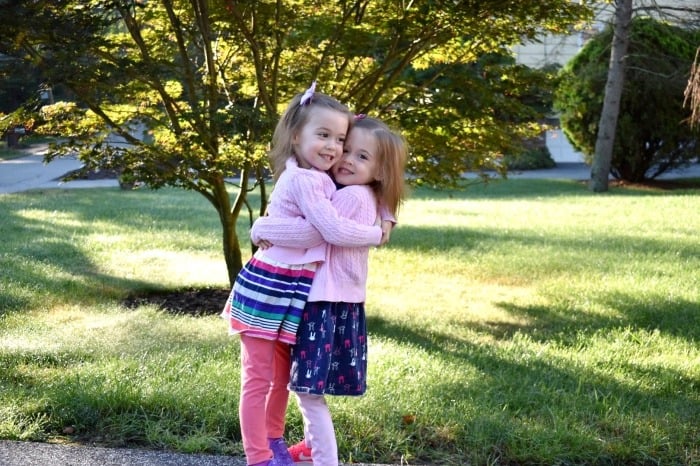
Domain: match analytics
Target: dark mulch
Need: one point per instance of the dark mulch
(665, 185)
(191, 301)
(83, 174)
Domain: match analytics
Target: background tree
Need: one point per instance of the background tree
(19, 82)
(605, 138)
(675, 12)
(692, 92)
(194, 87)
(650, 137)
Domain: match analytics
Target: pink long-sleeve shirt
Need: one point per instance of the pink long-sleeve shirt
(342, 277)
(306, 194)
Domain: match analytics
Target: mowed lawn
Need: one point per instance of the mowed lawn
(523, 322)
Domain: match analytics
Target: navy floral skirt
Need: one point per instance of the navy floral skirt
(330, 355)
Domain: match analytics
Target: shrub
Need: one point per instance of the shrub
(652, 136)
(532, 159)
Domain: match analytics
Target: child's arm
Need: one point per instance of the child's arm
(388, 222)
(318, 210)
(299, 233)
(385, 215)
(284, 231)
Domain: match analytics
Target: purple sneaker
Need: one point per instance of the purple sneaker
(279, 452)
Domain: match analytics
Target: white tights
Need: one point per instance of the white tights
(318, 429)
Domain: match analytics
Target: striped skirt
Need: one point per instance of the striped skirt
(268, 298)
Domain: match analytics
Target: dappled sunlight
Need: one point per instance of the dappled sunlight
(562, 317)
(67, 339)
(147, 329)
(462, 304)
(62, 330)
(616, 378)
(168, 268)
(55, 218)
(636, 351)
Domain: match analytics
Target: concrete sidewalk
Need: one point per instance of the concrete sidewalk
(30, 172)
(14, 453)
(49, 454)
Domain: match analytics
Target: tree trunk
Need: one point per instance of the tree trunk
(228, 217)
(602, 159)
(232, 250)
(12, 139)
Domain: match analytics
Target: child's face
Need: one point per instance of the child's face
(319, 144)
(359, 164)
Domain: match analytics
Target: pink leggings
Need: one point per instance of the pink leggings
(318, 429)
(263, 403)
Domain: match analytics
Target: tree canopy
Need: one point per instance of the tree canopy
(194, 87)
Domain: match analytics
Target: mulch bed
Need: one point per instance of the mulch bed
(83, 174)
(665, 185)
(192, 301)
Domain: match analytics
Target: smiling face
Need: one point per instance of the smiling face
(319, 144)
(359, 164)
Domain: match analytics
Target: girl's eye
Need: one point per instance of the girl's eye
(325, 135)
(363, 156)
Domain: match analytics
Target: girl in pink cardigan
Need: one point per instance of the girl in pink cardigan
(270, 292)
(330, 354)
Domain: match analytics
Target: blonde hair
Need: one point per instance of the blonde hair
(291, 123)
(392, 152)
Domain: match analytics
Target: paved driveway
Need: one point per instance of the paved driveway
(30, 172)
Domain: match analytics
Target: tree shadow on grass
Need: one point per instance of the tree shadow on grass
(524, 400)
(678, 318)
(443, 238)
(97, 385)
(33, 274)
(43, 255)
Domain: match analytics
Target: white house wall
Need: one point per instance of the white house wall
(559, 49)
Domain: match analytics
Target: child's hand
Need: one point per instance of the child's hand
(265, 244)
(387, 226)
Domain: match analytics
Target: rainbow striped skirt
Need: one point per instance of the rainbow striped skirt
(268, 298)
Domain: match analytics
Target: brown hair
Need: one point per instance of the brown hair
(292, 121)
(392, 148)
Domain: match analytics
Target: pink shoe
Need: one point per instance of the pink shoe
(301, 454)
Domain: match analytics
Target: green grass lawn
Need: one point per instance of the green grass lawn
(526, 322)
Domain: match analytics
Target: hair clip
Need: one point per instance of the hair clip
(360, 116)
(308, 95)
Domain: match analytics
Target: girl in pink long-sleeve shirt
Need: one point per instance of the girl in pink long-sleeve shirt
(270, 292)
(330, 354)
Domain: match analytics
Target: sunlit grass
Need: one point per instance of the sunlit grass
(527, 322)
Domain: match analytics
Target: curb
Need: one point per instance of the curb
(15, 453)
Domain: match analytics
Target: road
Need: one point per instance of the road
(30, 172)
